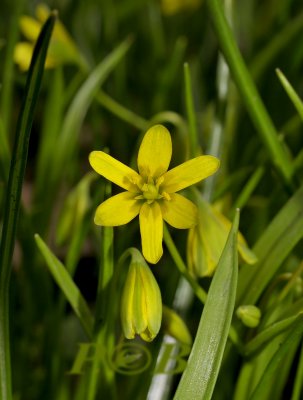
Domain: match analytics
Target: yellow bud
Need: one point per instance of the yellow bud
(174, 326)
(249, 315)
(141, 304)
(207, 240)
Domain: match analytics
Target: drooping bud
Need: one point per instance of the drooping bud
(141, 304)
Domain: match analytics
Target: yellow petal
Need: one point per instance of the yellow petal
(30, 28)
(152, 303)
(42, 12)
(127, 301)
(189, 173)
(114, 170)
(179, 212)
(23, 54)
(117, 210)
(151, 229)
(155, 152)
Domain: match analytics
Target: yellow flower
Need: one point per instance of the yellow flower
(207, 239)
(141, 304)
(151, 193)
(62, 49)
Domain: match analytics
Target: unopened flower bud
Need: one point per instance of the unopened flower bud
(141, 304)
(207, 239)
(249, 315)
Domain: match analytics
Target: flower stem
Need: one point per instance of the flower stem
(199, 292)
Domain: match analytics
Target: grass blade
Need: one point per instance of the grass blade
(13, 195)
(248, 91)
(272, 248)
(199, 378)
(68, 287)
(271, 374)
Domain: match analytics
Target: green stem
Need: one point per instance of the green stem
(191, 116)
(13, 196)
(247, 89)
(105, 312)
(121, 111)
(199, 292)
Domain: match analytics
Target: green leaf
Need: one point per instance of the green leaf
(271, 373)
(78, 109)
(68, 287)
(248, 91)
(199, 378)
(13, 196)
(269, 333)
(272, 248)
(292, 94)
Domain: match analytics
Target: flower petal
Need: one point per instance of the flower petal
(30, 28)
(114, 170)
(179, 212)
(155, 152)
(23, 54)
(151, 229)
(189, 173)
(117, 210)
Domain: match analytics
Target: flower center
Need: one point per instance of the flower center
(151, 190)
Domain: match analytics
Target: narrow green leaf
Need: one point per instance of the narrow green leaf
(272, 371)
(298, 385)
(199, 378)
(248, 91)
(78, 109)
(191, 115)
(272, 248)
(292, 94)
(13, 196)
(269, 333)
(4, 153)
(68, 287)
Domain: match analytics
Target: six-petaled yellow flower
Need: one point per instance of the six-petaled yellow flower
(151, 193)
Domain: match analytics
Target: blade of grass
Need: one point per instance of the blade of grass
(191, 116)
(272, 248)
(13, 195)
(292, 94)
(200, 376)
(78, 109)
(249, 93)
(69, 135)
(68, 287)
(259, 341)
(298, 385)
(4, 153)
(272, 371)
